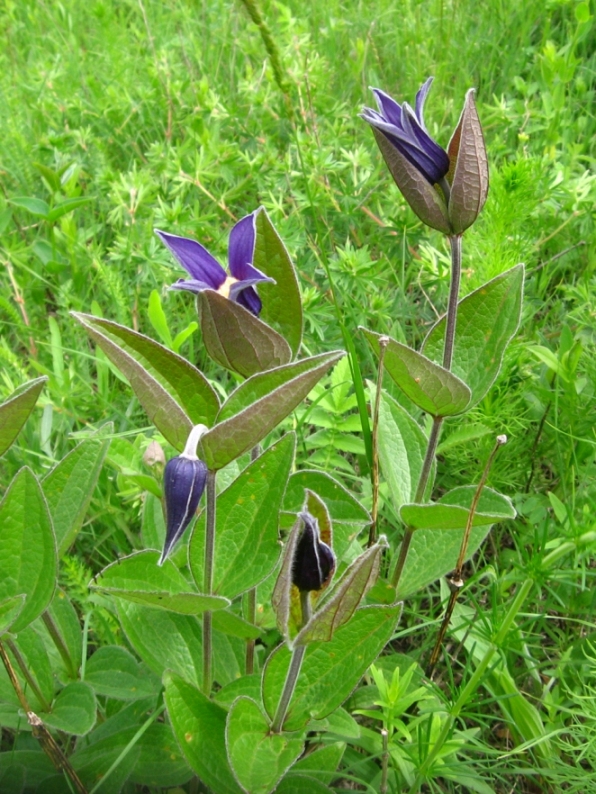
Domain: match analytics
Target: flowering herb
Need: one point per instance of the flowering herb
(239, 285)
(314, 561)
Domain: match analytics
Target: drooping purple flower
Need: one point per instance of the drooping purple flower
(314, 560)
(206, 273)
(183, 485)
(405, 129)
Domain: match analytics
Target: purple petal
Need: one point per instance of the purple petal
(195, 259)
(250, 300)
(388, 107)
(190, 285)
(241, 249)
(421, 99)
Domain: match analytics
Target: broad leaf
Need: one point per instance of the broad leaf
(452, 510)
(140, 579)
(247, 544)
(431, 387)
(199, 725)
(33, 205)
(10, 609)
(15, 411)
(259, 405)
(69, 487)
(487, 320)
(294, 783)
(258, 757)
(402, 446)
(114, 672)
(330, 670)
(282, 305)
(232, 624)
(35, 657)
(322, 763)
(236, 339)
(174, 394)
(27, 548)
(74, 710)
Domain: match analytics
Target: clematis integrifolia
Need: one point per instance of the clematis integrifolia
(183, 485)
(314, 560)
(445, 188)
(239, 285)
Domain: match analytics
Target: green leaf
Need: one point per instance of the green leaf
(402, 446)
(321, 764)
(35, 764)
(452, 510)
(281, 595)
(33, 205)
(74, 710)
(301, 784)
(10, 609)
(114, 672)
(348, 516)
(153, 528)
(199, 725)
(27, 548)
(158, 320)
(487, 320)
(69, 487)
(37, 661)
(232, 624)
(66, 206)
(249, 685)
(258, 757)
(344, 598)
(282, 305)
(236, 339)
(140, 579)
(67, 626)
(330, 670)
(258, 405)
(247, 544)
(16, 410)
(174, 394)
(431, 387)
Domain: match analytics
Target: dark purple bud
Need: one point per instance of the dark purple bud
(314, 561)
(183, 486)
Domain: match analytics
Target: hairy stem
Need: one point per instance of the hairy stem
(208, 582)
(294, 669)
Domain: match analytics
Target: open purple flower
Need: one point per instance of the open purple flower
(404, 128)
(206, 273)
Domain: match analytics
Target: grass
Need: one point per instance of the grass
(170, 116)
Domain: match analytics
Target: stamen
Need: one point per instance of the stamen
(226, 286)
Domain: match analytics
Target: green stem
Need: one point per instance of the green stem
(294, 669)
(455, 243)
(374, 513)
(27, 675)
(60, 644)
(251, 616)
(208, 581)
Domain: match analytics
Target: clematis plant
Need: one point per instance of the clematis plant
(239, 285)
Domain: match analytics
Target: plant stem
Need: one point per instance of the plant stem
(251, 596)
(208, 581)
(455, 243)
(58, 641)
(372, 535)
(384, 761)
(293, 670)
(27, 675)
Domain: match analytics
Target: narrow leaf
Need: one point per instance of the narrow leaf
(66, 206)
(15, 411)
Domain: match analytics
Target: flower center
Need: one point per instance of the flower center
(226, 286)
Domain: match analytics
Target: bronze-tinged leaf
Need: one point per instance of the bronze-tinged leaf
(469, 186)
(237, 339)
(422, 197)
(281, 596)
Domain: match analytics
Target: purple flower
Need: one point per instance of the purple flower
(314, 561)
(183, 485)
(206, 273)
(404, 128)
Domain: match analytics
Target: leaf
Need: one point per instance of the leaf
(452, 510)
(249, 685)
(66, 206)
(153, 528)
(69, 487)
(330, 670)
(36, 660)
(174, 394)
(281, 599)
(431, 387)
(114, 672)
(33, 205)
(16, 410)
(321, 764)
(487, 320)
(258, 405)
(247, 546)
(157, 318)
(301, 784)
(232, 624)
(138, 578)
(402, 446)
(348, 516)
(344, 599)
(199, 725)
(258, 757)
(68, 628)
(10, 609)
(74, 710)
(35, 764)
(27, 548)
(282, 305)
(236, 339)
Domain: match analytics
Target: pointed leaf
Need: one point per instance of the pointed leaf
(469, 185)
(487, 320)
(114, 672)
(237, 339)
(344, 599)
(258, 405)
(282, 305)
(27, 548)
(247, 546)
(402, 446)
(138, 578)
(330, 670)
(258, 757)
(15, 411)
(199, 725)
(232, 624)
(452, 510)
(422, 197)
(318, 509)
(74, 710)
(431, 387)
(174, 394)
(69, 487)
(33, 205)
(66, 206)
(10, 609)
(281, 597)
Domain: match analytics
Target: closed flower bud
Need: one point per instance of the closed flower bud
(314, 561)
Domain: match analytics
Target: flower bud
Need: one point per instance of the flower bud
(184, 483)
(314, 561)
